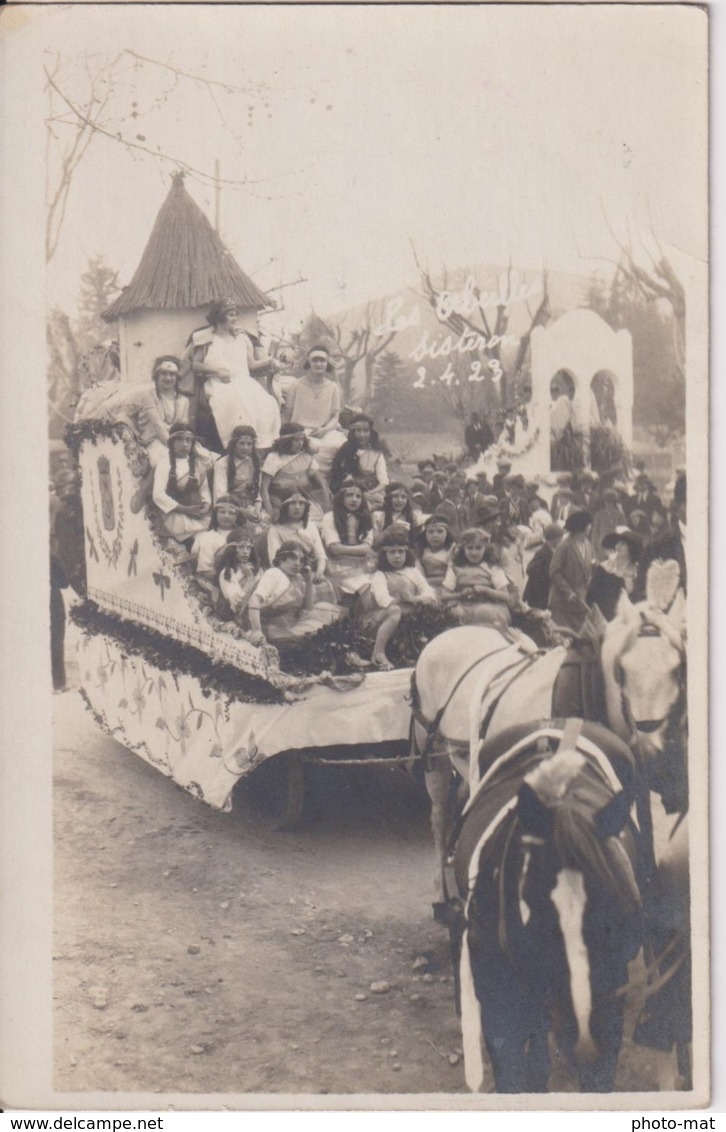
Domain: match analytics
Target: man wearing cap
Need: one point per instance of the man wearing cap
(644, 497)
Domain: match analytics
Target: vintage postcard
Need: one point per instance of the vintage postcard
(356, 588)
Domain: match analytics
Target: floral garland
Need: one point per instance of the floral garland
(170, 655)
(91, 430)
(94, 429)
(503, 449)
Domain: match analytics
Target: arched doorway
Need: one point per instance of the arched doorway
(567, 449)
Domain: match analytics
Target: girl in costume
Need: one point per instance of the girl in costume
(237, 473)
(283, 606)
(435, 553)
(181, 489)
(237, 575)
(225, 515)
(347, 533)
(294, 525)
(397, 508)
(362, 458)
(477, 593)
(291, 464)
(397, 587)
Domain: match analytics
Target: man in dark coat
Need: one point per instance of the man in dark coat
(537, 590)
(672, 544)
(67, 564)
(478, 436)
(644, 497)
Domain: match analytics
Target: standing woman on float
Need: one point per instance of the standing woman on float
(222, 359)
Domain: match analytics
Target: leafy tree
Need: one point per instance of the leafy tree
(389, 402)
(651, 305)
(80, 352)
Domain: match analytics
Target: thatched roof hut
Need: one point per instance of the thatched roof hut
(185, 267)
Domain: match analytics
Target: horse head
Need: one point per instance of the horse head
(644, 669)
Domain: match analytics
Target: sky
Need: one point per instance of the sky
(472, 134)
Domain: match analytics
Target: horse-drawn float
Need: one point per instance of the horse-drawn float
(188, 692)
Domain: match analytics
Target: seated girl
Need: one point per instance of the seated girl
(362, 458)
(225, 514)
(476, 592)
(347, 533)
(398, 508)
(294, 525)
(291, 464)
(435, 545)
(238, 473)
(282, 606)
(153, 409)
(397, 587)
(237, 576)
(181, 488)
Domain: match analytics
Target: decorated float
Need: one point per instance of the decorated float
(188, 692)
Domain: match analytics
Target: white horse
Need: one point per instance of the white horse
(472, 683)
(463, 676)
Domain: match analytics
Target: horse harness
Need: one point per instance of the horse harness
(431, 726)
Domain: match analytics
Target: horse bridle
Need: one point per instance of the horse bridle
(650, 726)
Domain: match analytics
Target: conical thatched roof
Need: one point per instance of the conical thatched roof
(185, 264)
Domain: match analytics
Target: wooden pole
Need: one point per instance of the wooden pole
(217, 195)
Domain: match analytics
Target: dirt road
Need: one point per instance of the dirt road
(195, 951)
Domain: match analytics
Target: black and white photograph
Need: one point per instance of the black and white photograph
(357, 362)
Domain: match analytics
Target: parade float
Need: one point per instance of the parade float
(188, 692)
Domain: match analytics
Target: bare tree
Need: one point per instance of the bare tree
(354, 347)
(89, 100)
(491, 331)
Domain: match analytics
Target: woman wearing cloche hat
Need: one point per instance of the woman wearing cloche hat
(571, 571)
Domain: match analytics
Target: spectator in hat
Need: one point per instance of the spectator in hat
(605, 520)
(618, 572)
(478, 436)
(571, 571)
(644, 496)
(537, 590)
(670, 545)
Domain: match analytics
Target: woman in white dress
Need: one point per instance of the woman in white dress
(223, 358)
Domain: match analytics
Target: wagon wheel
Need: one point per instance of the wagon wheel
(277, 789)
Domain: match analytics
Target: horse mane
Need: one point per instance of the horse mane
(575, 794)
(661, 583)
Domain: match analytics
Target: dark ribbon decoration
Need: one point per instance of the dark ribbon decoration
(163, 582)
(92, 546)
(133, 567)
